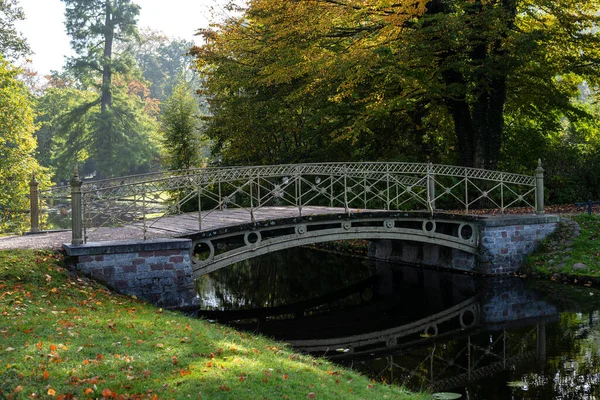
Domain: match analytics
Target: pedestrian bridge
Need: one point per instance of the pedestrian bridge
(417, 213)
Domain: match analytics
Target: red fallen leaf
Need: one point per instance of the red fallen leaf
(99, 357)
(242, 378)
(88, 391)
(219, 352)
(212, 355)
(86, 361)
(39, 345)
(174, 360)
(107, 393)
(285, 376)
(311, 395)
(93, 381)
(52, 347)
(267, 373)
(46, 374)
(225, 388)
(265, 380)
(209, 364)
(184, 372)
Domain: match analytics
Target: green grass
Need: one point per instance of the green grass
(557, 262)
(63, 336)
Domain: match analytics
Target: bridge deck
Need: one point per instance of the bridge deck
(185, 224)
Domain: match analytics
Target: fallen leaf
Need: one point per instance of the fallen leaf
(51, 392)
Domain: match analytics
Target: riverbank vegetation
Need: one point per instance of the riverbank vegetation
(570, 255)
(63, 336)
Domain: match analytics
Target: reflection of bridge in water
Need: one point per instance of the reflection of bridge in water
(466, 335)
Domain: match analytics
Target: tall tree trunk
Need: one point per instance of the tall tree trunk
(479, 123)
(109, 34)
(105, 138)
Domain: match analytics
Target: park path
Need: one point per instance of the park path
(171, 226)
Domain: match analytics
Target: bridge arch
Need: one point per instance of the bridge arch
(216, 249)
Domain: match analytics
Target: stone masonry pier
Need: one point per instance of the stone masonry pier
(157, 271)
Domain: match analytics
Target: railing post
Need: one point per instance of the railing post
(34, 205)
(430, 189)
(76, 209)
(346, 207)
(539, 188)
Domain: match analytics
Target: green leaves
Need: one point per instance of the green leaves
(17, 150)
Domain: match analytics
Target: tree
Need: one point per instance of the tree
(436, 77)
(162, 61)
(180, 123)
(69, 118)
(12, 43)
(118, 136)
(17, 148)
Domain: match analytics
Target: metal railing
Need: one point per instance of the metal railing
(142, 200)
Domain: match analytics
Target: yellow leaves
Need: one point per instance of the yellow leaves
(51, 392)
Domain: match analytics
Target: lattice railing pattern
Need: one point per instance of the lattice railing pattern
(143, 199)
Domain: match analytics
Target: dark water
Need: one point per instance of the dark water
(485, 338)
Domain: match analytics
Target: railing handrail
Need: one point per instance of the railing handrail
(418, 180)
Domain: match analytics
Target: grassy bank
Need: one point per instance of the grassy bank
(566, 258)
(65, 337)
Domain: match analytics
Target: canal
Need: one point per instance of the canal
(483, 338)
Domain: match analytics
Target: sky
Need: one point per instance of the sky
(44, 26)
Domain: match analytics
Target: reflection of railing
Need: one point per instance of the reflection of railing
(481, 355)
(377, 186)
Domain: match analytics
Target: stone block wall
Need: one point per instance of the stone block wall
(158, 271)
(505, 243)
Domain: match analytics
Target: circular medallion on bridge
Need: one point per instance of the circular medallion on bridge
(317, 180)
(346, 225)
(431, 330)
(391, 342)
(389, 223)
(202, 252)
(467, 317)
(301, 229)
(429, 226)
(465, 232)
(252, 239)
